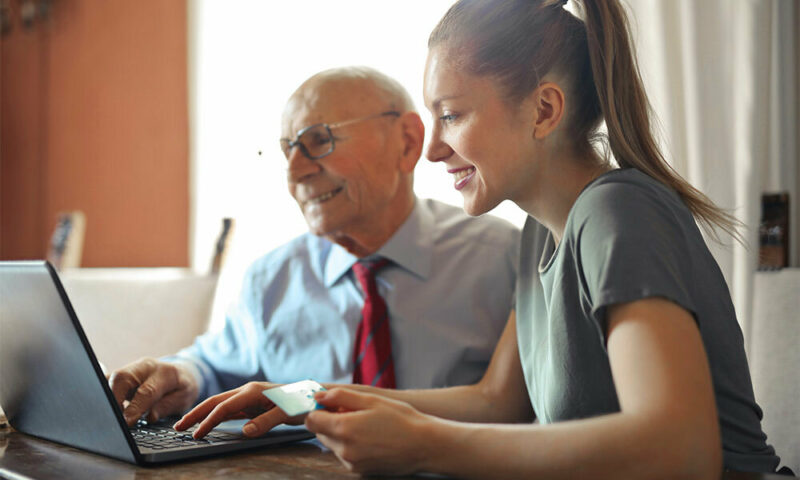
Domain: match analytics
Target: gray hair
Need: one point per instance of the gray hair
(394, 92)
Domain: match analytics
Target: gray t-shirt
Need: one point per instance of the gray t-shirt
(627, 237)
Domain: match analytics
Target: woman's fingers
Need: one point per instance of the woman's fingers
(246, 399)
(202, 410)
(336, 447)
(359, 437)
(244, 402)
(265, 422)
(336, 401)
(342, 399)
(323, 422)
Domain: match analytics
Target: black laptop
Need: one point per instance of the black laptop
(52, 387)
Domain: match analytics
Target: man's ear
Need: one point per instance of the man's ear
(548, 107)
(413, 135)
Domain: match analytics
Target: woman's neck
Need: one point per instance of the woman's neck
(561, 181)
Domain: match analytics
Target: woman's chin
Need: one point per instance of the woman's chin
(475, 206)
(473, 209)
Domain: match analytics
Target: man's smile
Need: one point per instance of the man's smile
(324, 197)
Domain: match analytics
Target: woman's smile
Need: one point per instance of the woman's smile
(462, 176)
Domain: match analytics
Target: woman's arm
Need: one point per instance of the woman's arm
(667, 427)
(500, 396)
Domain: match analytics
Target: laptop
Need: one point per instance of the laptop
(52, 386)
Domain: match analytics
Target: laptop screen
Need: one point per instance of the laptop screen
(52, 386)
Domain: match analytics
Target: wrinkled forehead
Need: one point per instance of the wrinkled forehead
(328, 101)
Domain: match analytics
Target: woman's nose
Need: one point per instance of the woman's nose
(437, 150)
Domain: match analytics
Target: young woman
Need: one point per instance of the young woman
(625, 345)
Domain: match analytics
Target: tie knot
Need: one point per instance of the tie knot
(369, 267)
(365, 271)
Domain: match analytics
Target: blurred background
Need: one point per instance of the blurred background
(147, 117)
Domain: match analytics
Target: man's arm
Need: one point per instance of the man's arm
(499, 397)
(171, 385)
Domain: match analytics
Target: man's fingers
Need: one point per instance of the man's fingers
(148, 394)
(125, 381)
(172, 403)
(122, 386)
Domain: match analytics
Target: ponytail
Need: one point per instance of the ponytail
(518, 41)
(627, 112)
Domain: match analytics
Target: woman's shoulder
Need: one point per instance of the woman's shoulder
(627, 183)
(628, 194)
(629, 206)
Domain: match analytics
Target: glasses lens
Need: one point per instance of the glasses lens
(317, 141)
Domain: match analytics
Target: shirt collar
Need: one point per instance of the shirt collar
(411, 247)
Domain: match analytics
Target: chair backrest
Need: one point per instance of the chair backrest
(129, 313)
(774, 356)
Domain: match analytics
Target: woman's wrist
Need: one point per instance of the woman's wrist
(438, 445)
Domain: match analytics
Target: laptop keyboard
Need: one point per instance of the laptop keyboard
(160, 437)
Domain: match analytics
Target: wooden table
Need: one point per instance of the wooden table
(23, 457)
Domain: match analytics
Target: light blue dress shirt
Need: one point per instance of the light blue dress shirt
(449, 290)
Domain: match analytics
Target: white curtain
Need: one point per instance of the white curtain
(721, 75)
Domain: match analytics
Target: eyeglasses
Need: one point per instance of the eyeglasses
(317, 141)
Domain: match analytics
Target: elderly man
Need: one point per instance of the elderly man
(386, 289)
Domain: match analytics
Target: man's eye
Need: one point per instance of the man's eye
(448, 118)
(317, 140)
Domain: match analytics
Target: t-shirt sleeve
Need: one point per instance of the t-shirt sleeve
(630, 245)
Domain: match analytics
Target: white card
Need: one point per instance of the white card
(295, 398)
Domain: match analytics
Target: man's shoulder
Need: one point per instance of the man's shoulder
(452, 223)
(303, 249)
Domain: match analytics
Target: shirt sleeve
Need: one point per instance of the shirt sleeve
(631, 244)
(228, 358)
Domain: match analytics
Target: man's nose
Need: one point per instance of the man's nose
(300, 166)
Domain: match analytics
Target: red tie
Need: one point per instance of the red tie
(372, 356)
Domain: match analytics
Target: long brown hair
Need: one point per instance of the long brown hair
(517, 42)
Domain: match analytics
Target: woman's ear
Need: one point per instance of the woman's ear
(413, 135)
(548, 107)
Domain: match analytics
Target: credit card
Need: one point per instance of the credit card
(295, 398)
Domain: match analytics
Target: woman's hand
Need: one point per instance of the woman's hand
(246, 401)
(370, 433)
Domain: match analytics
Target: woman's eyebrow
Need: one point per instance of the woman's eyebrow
(436, 103)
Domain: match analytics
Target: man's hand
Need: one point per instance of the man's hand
(246, 401)
(149, 385)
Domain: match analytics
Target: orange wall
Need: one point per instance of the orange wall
(94, 116)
